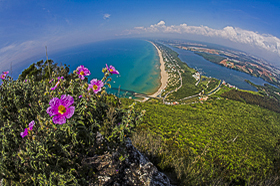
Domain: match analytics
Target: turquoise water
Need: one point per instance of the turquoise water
(138, 64)
(136, 60)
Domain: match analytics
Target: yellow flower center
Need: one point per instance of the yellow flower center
(95, 87)
(111, 70)
(61, 109)
(82, 73)
(3, 76)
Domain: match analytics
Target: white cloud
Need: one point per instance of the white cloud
(139, 28)
(106, 16)
(17, 52)
(238, 35)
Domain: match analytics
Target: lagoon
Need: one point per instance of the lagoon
(208, 68)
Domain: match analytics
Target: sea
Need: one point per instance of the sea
(138, 63)
(136, 60)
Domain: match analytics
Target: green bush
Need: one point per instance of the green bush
(52, 154)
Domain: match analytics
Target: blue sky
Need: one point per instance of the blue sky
(27, 26)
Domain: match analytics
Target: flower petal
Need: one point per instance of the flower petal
(54, 102)
(53, 88)
(93, 81)
(87, 72)
(79, 68)
(115, 72)
(70, 111)
(66, 101)
(100, 84)
(82, 77)
(31, 124)
(25, 133)
(89, 86)
(52, 111)
(59, 119)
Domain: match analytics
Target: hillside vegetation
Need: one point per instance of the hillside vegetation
(221, 141)
(262, 101)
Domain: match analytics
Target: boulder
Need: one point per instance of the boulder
(135, 169)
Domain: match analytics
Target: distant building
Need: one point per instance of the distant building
(203, 98)
(196, 76)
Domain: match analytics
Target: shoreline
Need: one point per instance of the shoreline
(163, 74)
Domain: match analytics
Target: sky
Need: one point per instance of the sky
(26, 27)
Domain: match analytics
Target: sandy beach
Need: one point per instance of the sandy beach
(163, 73)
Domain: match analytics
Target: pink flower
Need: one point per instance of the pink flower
(56, 85)
(95, 85)
(4, 74)
(61, 109)
(25, 133)
(82, 72)
(31, 124)
(112, 69)
(80, 96)
(60, 78)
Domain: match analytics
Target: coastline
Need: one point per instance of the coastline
(163, 74)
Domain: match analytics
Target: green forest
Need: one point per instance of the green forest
(211, 57)
(262, 101)
(267, 90)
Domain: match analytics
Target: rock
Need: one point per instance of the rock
(136, 169)
(147, 173)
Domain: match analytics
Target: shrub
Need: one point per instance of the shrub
(51, 152)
